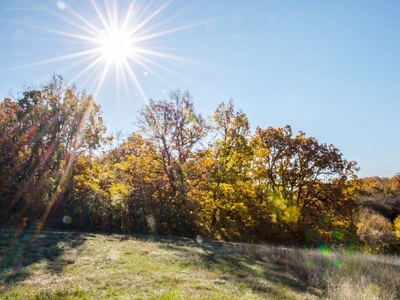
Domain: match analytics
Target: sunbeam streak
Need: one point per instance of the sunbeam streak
(52, 60)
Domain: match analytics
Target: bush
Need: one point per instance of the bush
(376, 232)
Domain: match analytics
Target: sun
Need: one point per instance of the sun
(116, 45)
(115, 40)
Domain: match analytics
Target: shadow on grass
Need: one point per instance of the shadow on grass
(241, 264)
(21, 248)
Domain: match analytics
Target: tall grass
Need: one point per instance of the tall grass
(339, 274)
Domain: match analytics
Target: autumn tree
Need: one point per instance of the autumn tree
(176, 131)
(382, 195)
(178, 174)
(138, 186)
(228, 206)
(304, 184)
(44, 131)
(13, 140)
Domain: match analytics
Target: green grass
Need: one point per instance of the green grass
(65, 265)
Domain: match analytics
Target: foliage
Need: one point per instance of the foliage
(229, 209)
(381, 195)
(42, 133)
(304, 184)
(176, 131)
(397, 227)
(179, 173)
(376, 232)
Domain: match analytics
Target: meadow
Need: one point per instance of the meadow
(73, 265)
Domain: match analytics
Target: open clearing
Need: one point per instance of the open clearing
(70, 265)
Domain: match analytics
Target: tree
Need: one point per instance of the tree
(45, 130)
(137, 185)
(228, 207)
(176, 131)
(304, 184)
(381, 195)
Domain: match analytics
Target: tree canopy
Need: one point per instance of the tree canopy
(180, 173)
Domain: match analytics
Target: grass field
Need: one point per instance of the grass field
(67, 265)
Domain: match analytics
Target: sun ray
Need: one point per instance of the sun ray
(87, 68)
(135, 80)
(114, 15)
(160, 54)
(85, 21)
(64, 33)
(51, 60)
(143, 13)
(87, 26)
(124, 79)
(165, 32)
(127, 15)
(117, 69)
(91, 37)
(139, 87)
(140, 61)
(75, 64)
(155, 26)
(103, 21)
(149, 18)
(150, 70)
(101, 80)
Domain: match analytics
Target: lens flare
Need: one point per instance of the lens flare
(337, 263)
(199, 239)
(67, 220)
(151, 223)
(61, 5)
(324, 249)
(338, 235)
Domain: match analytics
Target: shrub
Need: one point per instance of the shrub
(376, 232)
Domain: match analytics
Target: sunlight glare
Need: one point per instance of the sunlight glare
(116, 45)
(110, 44)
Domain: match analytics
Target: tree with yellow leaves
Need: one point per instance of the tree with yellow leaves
(304, 184)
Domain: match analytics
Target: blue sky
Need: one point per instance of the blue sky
(328, 68)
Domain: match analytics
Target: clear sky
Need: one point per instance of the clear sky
(328, 68)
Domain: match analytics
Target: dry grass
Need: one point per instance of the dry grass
(51, 265)
(340, 274)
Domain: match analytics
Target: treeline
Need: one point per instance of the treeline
(179, 173)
